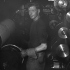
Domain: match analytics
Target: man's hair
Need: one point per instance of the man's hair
(33, 4)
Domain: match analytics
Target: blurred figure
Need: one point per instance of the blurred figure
(22, 19)
(19, 15)
(23, 23)
(18, 18)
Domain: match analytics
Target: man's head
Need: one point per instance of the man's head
(34, 11)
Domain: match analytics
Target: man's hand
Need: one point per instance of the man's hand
(31, 53)
(23, 53)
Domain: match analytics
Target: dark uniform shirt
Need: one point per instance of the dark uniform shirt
(38, 33)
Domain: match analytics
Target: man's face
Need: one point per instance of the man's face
(33, 12)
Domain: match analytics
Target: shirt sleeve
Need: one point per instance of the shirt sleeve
(42, 33)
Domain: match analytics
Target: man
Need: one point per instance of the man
(38, 40)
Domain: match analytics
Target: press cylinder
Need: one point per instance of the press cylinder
(7, 27)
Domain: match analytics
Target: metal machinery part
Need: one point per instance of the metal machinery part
(68, 16)
(60, 4)
(7, 27)
(62, 50)
(53, 24)
(11, 56)
(62, 32)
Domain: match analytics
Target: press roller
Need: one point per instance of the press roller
(7, 27)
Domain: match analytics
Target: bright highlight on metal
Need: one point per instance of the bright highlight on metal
(68, 14)
(62, 32)
(62, 50)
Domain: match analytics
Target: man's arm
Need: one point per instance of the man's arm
(41, 47)
(33, 51)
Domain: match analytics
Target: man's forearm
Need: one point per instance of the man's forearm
(32, 51)
(41, 47)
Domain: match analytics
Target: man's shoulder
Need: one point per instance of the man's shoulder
(41, 22)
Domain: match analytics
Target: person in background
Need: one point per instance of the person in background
(22, 22)
(19, 17)
(38, 40)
